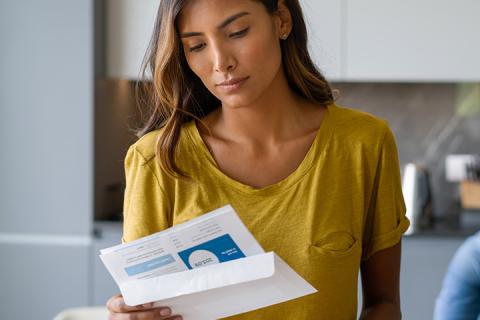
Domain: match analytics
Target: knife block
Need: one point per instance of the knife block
(470, 194)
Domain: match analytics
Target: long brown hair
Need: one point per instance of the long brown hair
(176, 95)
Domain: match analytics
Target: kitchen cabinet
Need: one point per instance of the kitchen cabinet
(325, 28)
(40, 279)
(353, 41)
(130, 26)
(107, 234)
(46, 117)
(46, 157)
(414, 41)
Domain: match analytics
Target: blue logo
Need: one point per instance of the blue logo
(217, 250)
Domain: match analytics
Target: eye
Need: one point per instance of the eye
(196, 48)
(235, 34)
(240, 33)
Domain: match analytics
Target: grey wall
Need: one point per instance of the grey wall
(426, 125)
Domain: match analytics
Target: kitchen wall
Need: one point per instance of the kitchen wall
(428, 123)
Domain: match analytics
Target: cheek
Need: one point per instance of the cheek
(202, 69)
(198, 66)
(263, 57)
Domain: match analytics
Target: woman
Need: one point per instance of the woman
(315, 182)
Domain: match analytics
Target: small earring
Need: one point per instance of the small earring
(284, 36)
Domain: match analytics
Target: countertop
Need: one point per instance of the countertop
(452, 226)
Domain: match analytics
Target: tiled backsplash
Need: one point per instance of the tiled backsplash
(426, 125)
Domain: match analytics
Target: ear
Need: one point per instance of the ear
(284, 21)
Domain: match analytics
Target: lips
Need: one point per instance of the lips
(232, 81)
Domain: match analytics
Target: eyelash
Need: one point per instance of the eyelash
(238, 33)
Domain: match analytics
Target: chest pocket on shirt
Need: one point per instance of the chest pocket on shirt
(336, 244)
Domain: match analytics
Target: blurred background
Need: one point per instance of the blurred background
(67, 106)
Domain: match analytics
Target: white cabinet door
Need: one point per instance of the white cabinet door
(41, 277)
(130, 26)
(324, 26)
(46, 117)
(104, 287)
(411, 40)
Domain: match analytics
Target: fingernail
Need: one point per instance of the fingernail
(147, 305)
(165, 312)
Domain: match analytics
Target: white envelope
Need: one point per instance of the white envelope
(223, 289)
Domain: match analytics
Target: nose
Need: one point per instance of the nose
(224, 60)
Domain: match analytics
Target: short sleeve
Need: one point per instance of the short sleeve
(145, 206)
(386, 218)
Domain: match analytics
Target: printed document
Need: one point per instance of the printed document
(207, 268)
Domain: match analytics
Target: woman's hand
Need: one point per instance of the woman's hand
(118, 310)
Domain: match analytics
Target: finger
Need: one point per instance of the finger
(137, 315)
(175, 317)
(162, 313)
(112, 302)
(116, 304)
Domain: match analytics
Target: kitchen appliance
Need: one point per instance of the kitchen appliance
(418, 197)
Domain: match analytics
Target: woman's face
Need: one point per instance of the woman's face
(231, 39)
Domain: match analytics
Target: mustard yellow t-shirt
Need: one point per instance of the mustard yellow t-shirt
(342, 204)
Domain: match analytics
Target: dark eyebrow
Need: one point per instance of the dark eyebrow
(220, 26)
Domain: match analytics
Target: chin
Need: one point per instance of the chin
(239, 100)
(236, 102)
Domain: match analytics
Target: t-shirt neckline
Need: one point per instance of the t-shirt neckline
(316, 148)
